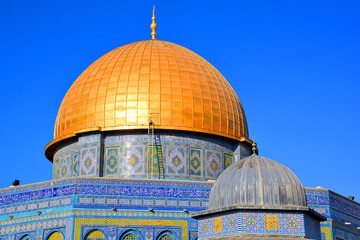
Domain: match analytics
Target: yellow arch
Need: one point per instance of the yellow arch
(94, 234)
(55, 236)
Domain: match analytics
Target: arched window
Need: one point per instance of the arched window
(95, 235)
(130, 235)
(55, 236)
(26, 237)
(167, 235)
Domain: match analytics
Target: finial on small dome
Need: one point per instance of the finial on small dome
(153, 25)
(254, 148)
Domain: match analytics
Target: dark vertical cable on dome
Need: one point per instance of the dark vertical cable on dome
(102, 154)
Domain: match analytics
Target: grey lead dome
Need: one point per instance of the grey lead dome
(259, 181)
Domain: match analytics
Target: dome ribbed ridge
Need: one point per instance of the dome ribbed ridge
(257, 181)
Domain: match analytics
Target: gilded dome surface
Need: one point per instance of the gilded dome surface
(257, 181)
(158, 80)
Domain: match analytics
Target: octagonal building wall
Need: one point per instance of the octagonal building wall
(172, 155)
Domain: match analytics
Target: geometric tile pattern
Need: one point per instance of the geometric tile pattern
(156, 162)
(190, 147)
(75, 164)
(327, 233)
(65, 167)
(228, 160)
(88, 161)
(271, 223)
(251, 222)
(217, 225)
(176, 160)
(231, 222)
(195, 168)
(56, 170)
(333, 206)
(214, 163)
(161, 227)
(109, 187)
(293, 223)
(112, 160)
(134, 162)
(34, 226)
(205, 228)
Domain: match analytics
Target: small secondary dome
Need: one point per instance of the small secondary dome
(259, 182)
(152, 79)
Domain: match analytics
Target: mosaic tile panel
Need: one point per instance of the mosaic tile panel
(293, 223)
(214, 163)
(231, 223)
(195, 162)
(251, 222)
(89, 161)
(101, 186)
(188, 141)
(176, 161)
(228, 160)
(112, 161)
(134, 162)
(75, 164)
(56, 170)
(218, 225)
(64, 167)
(205, 228)
(271, 222)
(156, 161)
(33, 227)
(95, 138)
(137, 226)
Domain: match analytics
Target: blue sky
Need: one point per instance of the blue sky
(295, 66)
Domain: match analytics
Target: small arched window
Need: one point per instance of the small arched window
(167, 235)
(55, 236)
(94, 235)
(130, 235)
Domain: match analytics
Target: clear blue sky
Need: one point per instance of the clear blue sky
(295, 66)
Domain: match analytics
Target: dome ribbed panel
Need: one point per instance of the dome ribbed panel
(256, 180)
(173, 86)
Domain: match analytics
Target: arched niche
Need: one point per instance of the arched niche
(130, 235)
(55, 235)
(94, 234)
(166, 235)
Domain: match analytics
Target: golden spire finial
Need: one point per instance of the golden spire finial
(153, 25)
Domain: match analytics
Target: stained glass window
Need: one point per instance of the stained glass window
(130, 236)
(166, 237)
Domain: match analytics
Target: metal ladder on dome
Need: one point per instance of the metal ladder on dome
(159, 156)
(154, 144)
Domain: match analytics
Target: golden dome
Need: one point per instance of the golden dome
(173, 86)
